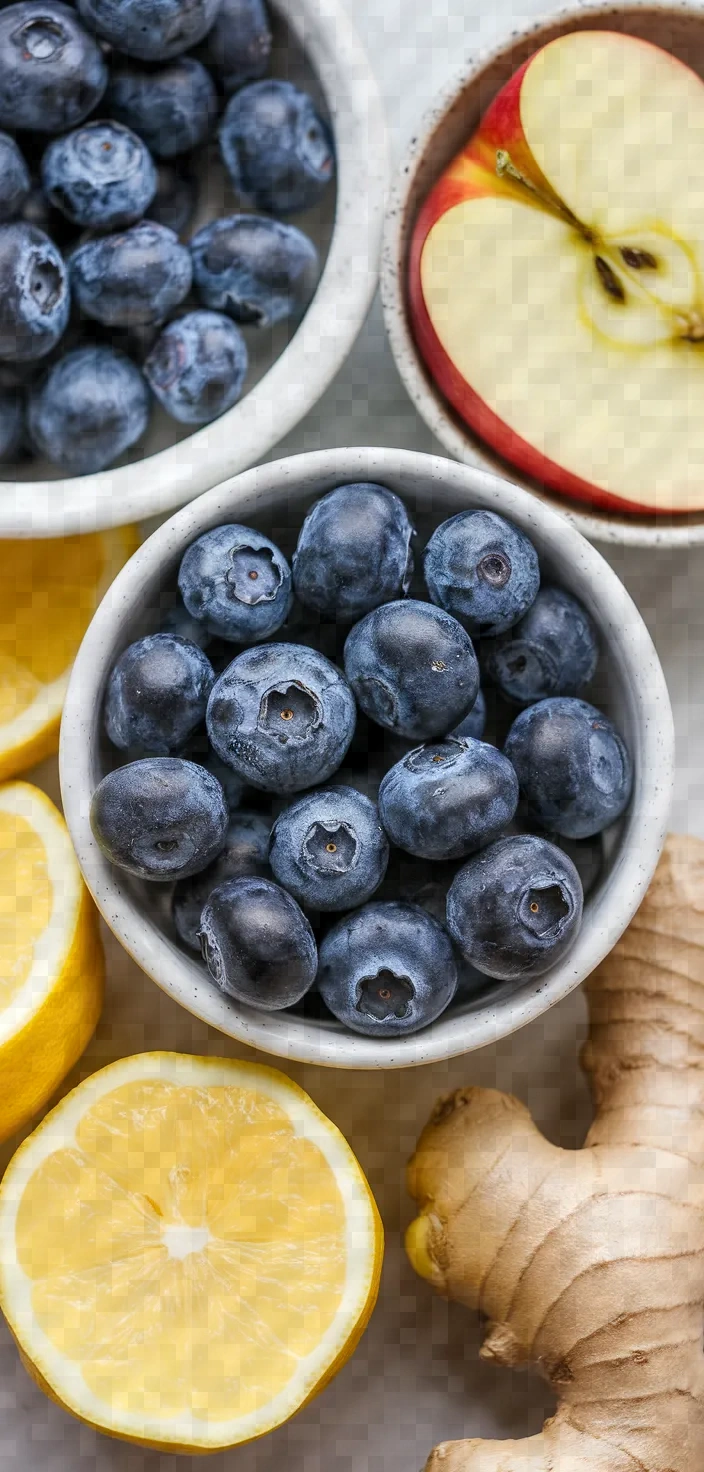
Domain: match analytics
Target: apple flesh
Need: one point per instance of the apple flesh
(557, 274)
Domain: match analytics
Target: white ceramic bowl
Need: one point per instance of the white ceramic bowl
(315, 45)
(630, 685)
(676, 27)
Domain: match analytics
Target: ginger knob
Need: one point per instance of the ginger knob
(588, 1265)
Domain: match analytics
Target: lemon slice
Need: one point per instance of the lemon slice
(188, 1251)
(49, 591)
(51, 960)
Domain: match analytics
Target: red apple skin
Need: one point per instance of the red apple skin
(470, 175)
(501, 127)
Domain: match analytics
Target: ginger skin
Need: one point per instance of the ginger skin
(589, 1264)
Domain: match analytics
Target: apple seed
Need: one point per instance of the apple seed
(639, 260)
(609, 279)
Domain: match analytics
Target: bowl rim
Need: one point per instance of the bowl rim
(308, 364)
(458, 440)
(272, 485)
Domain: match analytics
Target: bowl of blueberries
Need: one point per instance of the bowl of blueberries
(191, 198)
(367, 757)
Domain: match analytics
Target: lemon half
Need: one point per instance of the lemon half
(49, 591)
(51, 959)
(189, 1251)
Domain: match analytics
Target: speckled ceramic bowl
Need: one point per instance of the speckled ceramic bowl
(629, 685)
(316, 46)
(677, 27)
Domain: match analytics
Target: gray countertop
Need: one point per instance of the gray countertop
(415, 1378)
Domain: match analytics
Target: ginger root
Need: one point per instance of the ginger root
(589, 1264)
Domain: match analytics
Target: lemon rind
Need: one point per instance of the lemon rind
(44, 709)
(34, 733)
(53, 944)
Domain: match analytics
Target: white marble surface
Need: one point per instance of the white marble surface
(415, 1378)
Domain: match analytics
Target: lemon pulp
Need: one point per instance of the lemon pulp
(51, 961)
(192, 1264)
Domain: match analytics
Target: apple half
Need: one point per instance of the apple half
(557, 274)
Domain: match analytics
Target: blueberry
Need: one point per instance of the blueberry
(197, 367)
(257, 943)
(259, 271)
(231, 784)
(329, 849)
(174, 203)
(552, 650)
(387, 969)
(238, 46)
(151, 30)
(11, 424)
(36, 210)
(91, 407)
(245, 853)
(159, 818)
(52, 73)
(354, 552)
(101, 176)
(514, 909)
(276, 147)
(449, 798)
(15, 182)
(133, 279)
(179, 621)
(573, 767)
(34, 293)
(412, 668)
(475, 721)
(282, 716)
(237, 582)
(482, 569)
(136, 339)
(157, 694)
(417, 883)
(173, 110)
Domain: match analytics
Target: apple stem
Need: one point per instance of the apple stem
(506, 169)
